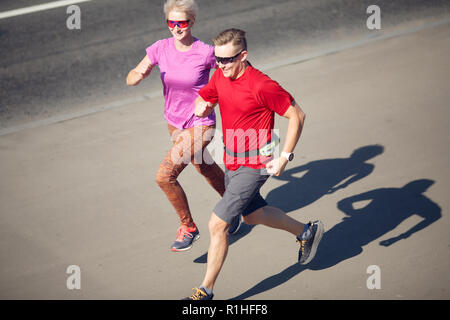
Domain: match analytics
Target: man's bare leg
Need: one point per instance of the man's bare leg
(218, 249)
(275, 218)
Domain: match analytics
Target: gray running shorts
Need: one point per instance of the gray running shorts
(241, 193)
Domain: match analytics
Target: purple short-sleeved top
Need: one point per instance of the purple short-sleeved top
(183, 74)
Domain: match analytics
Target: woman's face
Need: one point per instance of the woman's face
(177, 32)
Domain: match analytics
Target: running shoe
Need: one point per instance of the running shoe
(235, 225)
(185, 238)
(199, 294)
(309, 241)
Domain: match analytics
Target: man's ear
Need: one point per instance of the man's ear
(244, 56)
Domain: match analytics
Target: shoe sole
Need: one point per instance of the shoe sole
(317, 238)
(187, 248)
(237, 229)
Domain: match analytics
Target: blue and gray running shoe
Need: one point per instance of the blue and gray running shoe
(309, 241)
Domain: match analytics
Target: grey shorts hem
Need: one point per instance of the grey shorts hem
(241, 193)
(254, 205)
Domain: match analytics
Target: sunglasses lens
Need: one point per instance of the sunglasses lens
(180, 24)
(221, 60)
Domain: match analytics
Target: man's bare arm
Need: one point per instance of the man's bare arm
(296, 118)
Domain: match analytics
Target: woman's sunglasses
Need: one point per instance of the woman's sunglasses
(227, 59)
(181, 23)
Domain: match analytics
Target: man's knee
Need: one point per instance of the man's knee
(217, 226)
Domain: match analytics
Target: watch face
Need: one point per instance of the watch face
(291, 156)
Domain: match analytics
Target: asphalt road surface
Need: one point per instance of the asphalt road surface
(372, 162)
(47, 69)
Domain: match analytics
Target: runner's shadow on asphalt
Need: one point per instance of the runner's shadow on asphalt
(319, 178)
(386, 209)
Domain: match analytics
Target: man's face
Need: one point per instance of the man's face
(232, 68)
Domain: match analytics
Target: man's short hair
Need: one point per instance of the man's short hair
(236, 36)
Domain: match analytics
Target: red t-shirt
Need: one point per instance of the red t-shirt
(247, 107)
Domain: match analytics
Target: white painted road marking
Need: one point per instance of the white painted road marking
(39, 7)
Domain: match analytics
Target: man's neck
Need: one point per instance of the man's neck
(242, 71)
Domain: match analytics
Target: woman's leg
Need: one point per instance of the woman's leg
(168, 172)
(203, 161)
(189, 146)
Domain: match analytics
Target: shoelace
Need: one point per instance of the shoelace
(198, 294)
(182, 232)
(303, 242)
(302, 245)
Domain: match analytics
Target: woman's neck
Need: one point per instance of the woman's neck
(184, 44)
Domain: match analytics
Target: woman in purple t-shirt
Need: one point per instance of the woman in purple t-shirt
(184, 63)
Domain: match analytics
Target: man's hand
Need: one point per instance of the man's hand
(275, 167)
(203, 108)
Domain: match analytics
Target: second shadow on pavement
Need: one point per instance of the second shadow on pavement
(385, 210)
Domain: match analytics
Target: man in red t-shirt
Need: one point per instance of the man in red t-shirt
(248, 101)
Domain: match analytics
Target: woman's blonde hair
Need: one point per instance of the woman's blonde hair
(236, 36)
(187, 6)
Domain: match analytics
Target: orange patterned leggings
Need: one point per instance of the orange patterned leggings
(189, 145)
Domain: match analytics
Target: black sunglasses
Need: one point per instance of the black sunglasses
(227, 59)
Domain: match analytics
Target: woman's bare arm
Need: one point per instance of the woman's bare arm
(142, 70)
